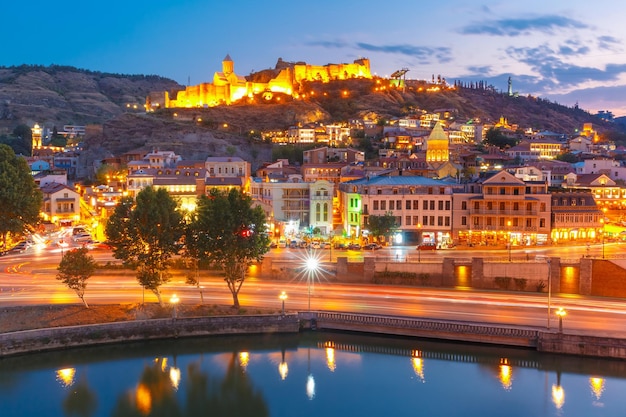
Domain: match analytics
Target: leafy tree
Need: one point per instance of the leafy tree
(230, 233)
(76, 267)
(567, 157)
(24, 135)
(381, 225)
(57, 139)
(20, 197)
(145, 234)
(495, 137)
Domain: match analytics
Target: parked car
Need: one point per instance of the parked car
(426, 246)
(316, 245)
(354, 246)
(372, 246)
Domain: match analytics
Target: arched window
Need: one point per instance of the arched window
(317, 212)
(325, 212)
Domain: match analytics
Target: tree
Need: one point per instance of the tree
(145, 234)
(495, 137)
(76, 267)
(381, 225)
(20, 197)
(230, 233)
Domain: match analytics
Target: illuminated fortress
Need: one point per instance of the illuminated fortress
(228, 87)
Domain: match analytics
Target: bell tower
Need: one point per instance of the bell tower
(228, 66)
(36, 137)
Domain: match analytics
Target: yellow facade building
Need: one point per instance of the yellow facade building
(228, 87)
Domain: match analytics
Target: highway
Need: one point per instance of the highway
(29, 278)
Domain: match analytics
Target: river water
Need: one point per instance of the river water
(310, 374)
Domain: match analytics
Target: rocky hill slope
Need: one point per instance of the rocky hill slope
(57, 96)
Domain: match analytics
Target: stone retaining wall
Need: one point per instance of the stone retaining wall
(75, 336)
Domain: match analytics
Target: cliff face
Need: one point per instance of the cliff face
(56, 96)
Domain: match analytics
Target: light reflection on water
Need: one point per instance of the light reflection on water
(311, 374)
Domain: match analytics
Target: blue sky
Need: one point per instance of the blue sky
(566, 51)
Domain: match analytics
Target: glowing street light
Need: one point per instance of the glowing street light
(283, 297)
(312, 266)
(508, 223)
(174, 300)
(560, 313)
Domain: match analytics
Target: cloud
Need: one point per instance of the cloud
(609, 42)
(553, 72)
(425, 53)
(517, 27)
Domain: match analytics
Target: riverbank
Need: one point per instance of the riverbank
(32, 329)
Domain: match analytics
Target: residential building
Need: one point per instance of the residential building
(502, 210)
(575, 217)
(61, 204)
(422, 207)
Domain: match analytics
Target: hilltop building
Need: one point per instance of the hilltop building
(228, 87)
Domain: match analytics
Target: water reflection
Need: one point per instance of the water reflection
(318, 374)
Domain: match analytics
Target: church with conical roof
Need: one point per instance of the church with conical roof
(437, 145)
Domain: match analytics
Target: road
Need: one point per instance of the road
(29, 278)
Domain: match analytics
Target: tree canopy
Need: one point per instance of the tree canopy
(381, 225)
(231, 233)
(20, 197)
(76, 267)
(145, 234)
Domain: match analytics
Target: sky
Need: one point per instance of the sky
(570, 52)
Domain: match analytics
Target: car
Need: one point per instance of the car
(340, 246)
(426, 246)
(83, 238)
(372, 246)
(354, 246)
(273, 245)
(316, 245)
(20, 247)
(324, 245)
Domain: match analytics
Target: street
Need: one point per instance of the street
(29, 278)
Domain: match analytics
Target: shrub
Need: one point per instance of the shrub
(520, 283)
(503, 282)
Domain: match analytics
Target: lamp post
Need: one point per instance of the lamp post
(283, 297)
(312, 267)
(549, 290)
(419, 242)
(508, 223)
(174, 300)
(602, 232)
(561, 313)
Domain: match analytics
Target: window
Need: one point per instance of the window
(442, 190)
(383, 205)
(463, 205)
(515, 206)
(489, 221)
(379, 191)
(326, 212)
(543, 206)
(432, 220)
(502, 207)
(407, 220)
(447, 219)
(439, 220)
(416, 220)
(416, 204)
(440, 205)
(542, 222)
(463, 221)
(424, 220)
(407, 205)
(502, 191)
(529, 222)
(516, 191)
(476, 205)
(394, 191)
(432, 204)
(375, 204)
(391, 204)
(398, 204)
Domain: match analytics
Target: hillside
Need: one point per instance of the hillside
(55, 96)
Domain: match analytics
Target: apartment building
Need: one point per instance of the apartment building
(422, 207)
(502, 210)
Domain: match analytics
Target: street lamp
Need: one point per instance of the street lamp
(419, 243)
(561, 313)
(283, 297)
(312, 267)
(508, 223)
(174, 300)
(602, 232)
(548, 261)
